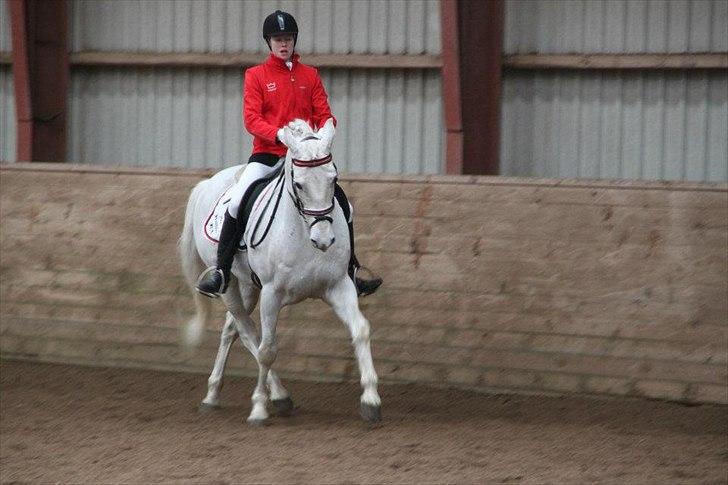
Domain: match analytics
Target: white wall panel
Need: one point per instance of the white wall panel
(388, 121)
(326, 26)
(7, 116)
(654, 126)
(615, 26)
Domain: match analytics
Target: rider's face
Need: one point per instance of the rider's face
(282, 46)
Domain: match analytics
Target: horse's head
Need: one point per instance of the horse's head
(312, 176)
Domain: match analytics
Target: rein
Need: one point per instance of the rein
(272, 216)
(319, 215)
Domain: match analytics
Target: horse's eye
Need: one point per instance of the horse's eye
(298, 186)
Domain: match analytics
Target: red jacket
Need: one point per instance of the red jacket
(273, 96)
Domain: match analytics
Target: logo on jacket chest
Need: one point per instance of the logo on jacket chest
(271, 87)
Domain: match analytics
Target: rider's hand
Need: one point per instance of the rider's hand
(279, 136)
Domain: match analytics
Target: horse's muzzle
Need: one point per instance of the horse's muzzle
(321, 245)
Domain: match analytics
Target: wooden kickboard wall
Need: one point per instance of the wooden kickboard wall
(494, 284)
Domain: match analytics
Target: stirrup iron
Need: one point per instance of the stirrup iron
(374, 281)
(204, 275)
(368, 274)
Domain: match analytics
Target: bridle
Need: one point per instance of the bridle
(318, 215)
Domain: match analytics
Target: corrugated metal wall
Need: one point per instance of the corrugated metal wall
(615, 26)
(5, 36)
(639, 125)
(653, 126)
(602, 124)
(7, 97)
(389, 120)
(7, 116)
(326, 26)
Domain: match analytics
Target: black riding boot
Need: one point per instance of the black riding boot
(215, 281)
(364, 287)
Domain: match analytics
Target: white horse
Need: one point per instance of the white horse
(298, 248)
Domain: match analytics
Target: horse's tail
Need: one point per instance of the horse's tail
(192, 265)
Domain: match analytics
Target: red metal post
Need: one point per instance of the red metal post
(41, 77)
(21, 79)
(472, 40)
(451, 86)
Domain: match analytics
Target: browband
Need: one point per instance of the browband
(312, 163)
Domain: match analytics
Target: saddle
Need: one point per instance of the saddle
(249, 200)
(213, 224)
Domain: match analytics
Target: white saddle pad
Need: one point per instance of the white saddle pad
(213, 224)
(216, 218)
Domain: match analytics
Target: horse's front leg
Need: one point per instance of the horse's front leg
(279, 395)
(270, 306)
(344, 301)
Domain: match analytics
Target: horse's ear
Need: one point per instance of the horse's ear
(285, 136)
(327, 132)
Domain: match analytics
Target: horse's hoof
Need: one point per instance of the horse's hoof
(207, 408)
(257, 423)
(370, 412)
(283, 407)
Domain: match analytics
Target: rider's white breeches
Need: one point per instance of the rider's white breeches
(252, 172)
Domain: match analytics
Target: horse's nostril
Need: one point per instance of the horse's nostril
(333, 240)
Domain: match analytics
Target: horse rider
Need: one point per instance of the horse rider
(275, 92)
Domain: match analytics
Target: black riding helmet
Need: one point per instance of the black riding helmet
(278, 23)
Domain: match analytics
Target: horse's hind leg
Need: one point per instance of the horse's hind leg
(279, 395)
(343, 300)
(214, 383)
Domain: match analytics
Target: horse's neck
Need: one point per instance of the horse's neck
(288, 247)
(290, 219)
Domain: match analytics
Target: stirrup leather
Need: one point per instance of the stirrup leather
(204, 275)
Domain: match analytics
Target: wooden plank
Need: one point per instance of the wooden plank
(716, 60)
(373, 180)
(494, 279)
(242, 59)
(711, 60)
